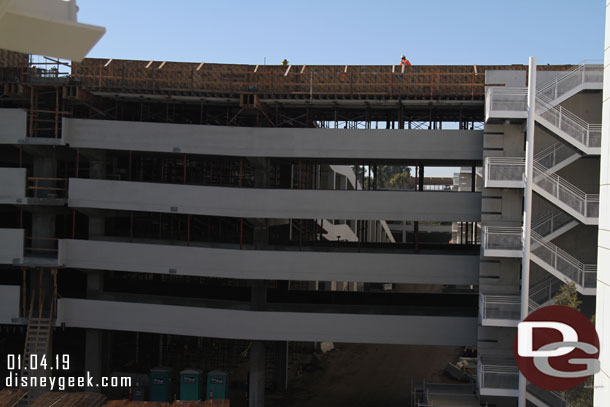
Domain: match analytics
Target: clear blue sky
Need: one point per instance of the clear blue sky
(349, 32)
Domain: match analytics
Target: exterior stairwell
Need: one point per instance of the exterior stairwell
(547, 255)
(38, 342)
(556, 156)
(584, 136)
(562, 265)
(566, 196)
(581, 77)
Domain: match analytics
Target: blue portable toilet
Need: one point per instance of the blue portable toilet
(161, 384)
(217, 386)
(191, 383)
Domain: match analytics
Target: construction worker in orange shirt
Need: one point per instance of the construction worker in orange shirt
(404, 61)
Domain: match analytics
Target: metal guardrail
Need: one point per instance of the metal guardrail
(509, 238)
(498, 376)
(504, 169)
(507, 305)
(585, 204)
(502, 238)
(511, 169)
(498, 306)
(550, 222)
(570, 267)
(564, 83)
(550, 398)
(554, 155)
(573, 126)
(503, 99)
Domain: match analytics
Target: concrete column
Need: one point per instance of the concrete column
(256, 391)
(95, 284)
(43, 227)
(93, 355)
(258, 294)
(280, 378)
(45, 166)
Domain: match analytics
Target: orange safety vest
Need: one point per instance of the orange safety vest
(405, 61)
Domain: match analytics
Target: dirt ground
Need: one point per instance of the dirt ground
(366, 375)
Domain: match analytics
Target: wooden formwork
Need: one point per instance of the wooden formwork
(393, 81)
(65, 399)
(177, 403)
(11, 397)
(11, 59)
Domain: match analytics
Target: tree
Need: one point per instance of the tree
(582, 395)
(568, 296)
(386, 176)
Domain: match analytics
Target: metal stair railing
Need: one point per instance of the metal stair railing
(554, 155)
(509, 238)
(543, 292)
(568, 266)
(571, 79)
(550, 222)
(585, 204)
(576, 129)
(550, 398)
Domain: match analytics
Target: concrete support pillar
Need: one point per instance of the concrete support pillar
(45, 166)
(97, 168)
(280, 378)
(95, 284)
(93, 355)
(258, 294)
(43, 228)
(256, 391)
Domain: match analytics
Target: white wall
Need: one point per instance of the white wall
(602, 312)
(271, 265)
(274, 142)
(13, 124)
(11, 246)
(12, 185)
(265, 325)
(9, 303)
(275, 203)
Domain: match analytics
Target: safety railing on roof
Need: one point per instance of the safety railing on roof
(581, 274)
(506, 102)
(585, 204)
(566, 82)
(576, 129)
(463, 82)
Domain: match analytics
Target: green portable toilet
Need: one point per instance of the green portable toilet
(191, 383)
(161, 385)
(218, 385)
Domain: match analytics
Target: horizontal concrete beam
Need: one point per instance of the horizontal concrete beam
(275, 203)
(270, 265)
(265, 325)
(11, 246)
(12, 182)
(466, 145)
